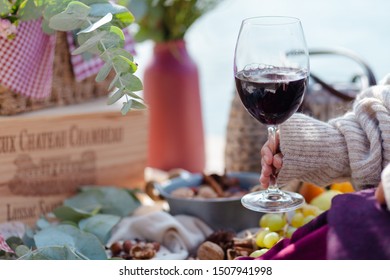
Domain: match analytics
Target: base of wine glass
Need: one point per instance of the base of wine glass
(275, 201)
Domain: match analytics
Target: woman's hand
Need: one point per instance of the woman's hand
(380, 195)
(271, 160)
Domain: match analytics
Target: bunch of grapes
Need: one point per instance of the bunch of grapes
(275, 226)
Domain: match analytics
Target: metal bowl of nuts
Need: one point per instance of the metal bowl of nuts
(215, 199)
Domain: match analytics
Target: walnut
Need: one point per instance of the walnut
(207, 192)
(210, 251)
(142, 251)
(183, 193)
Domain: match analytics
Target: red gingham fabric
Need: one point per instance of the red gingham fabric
(4, 246)
(26, 62)
(86, 65)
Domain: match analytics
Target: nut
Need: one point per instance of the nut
(142, 251)
(206, 192)
(183, 193)
(210, 251)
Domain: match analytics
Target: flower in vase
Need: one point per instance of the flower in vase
(7, 29)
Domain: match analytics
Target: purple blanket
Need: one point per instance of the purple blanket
(355, 228)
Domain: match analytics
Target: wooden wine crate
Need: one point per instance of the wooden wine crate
(46, 155)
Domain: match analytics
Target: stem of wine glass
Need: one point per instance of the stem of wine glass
(273, 187)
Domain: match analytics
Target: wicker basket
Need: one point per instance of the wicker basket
(65, 89)
(244, 138)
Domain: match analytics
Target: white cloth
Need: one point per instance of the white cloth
(180, 234)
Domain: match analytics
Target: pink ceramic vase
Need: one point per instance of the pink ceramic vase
(171, 91)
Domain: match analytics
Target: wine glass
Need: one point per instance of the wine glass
(271, 68)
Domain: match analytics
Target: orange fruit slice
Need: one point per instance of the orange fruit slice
(310, 191)
(344, 187)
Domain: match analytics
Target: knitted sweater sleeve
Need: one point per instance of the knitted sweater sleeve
(355, 145)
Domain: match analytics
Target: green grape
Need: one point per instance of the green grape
(270, 239)
(289, 232)
(297, 220)
(274, 222)
(260, 237)
(258, 253)
(308, 219)
(312, 210)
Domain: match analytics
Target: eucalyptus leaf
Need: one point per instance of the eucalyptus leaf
(111, 200)
(104, 71)
(100, 225)
(67, 213)
(131, 82)
(5, 7)
(122, 16)
(77, 10)
(114, 38)
(101, 9)
(53, 253)
(104, 20)
(118, 94)
(22, 250)
(138, 105)
(90, 43)
(81, 242)
(126, 107)
(42, 223)
(72, 18)
(108, 54)
(64, 22)
(29, 11)
(133, 95)
(123, 64)
(13, 242)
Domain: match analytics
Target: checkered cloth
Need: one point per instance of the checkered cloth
(86, 65)
(26, 62)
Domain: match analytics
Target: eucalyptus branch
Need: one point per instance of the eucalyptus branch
(99, 24)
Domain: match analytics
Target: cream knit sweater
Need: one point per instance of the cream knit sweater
(356, 145)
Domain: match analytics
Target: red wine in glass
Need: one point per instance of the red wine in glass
(271, 95)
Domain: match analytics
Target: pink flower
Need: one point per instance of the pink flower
(7, 29)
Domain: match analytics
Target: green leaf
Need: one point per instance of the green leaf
(104, 20)
(123, 64)
(100, 225)
(90, 43)
(77, 10)
(29, 11)
(67, 213)
(64, 22)
(82, 242)
(122, 16)
(118, 94)
(133, 95)
(103, 72)
(126, 107)
(131, 82)
(107, 55)
(22, 250)
(53, 8)
(5, 7)
(110, 200)
(13, 242)
(72, 18)
(114, 38)
(53, 253)
(138, 105)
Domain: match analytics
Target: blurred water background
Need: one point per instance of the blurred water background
(362, 26)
